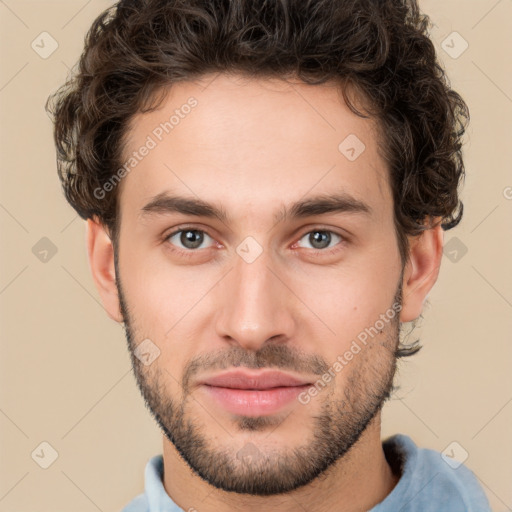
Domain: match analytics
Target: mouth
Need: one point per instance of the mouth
(254, 394)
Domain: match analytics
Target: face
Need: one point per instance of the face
(255, 236)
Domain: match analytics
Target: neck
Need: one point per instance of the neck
(357, 481)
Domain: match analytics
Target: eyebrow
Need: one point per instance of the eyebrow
(164, 203)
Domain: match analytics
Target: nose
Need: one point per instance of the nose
(255, 304)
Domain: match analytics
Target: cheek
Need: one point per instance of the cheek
(161, 293)
(350, 302)
(165, 302)
(347, 300)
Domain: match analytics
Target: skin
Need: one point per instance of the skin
(255, 146)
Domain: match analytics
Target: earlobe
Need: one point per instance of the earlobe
(421, 271)
(100, 254)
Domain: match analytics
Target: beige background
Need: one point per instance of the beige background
(65, 371)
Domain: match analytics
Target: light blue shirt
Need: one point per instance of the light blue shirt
(428, 483)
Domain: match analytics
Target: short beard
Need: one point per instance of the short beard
(258, 471)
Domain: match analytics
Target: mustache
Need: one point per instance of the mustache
(281, 357)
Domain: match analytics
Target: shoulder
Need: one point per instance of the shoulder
(430, 480)
(138, 504)
(153, 486)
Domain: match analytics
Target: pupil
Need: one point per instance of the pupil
(187, 239)
(315, 239)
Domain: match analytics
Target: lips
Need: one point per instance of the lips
(240, 379)
(256, 393)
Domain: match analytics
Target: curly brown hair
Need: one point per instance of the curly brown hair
(381, 48)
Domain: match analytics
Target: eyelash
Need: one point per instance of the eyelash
(192, 252)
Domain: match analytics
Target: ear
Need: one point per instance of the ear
(421, 270)
(101, 263)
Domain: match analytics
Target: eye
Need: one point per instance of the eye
(321, 239)
(189, 238)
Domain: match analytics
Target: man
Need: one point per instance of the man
(266, 185)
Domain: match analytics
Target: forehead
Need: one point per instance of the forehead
(245, 142)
